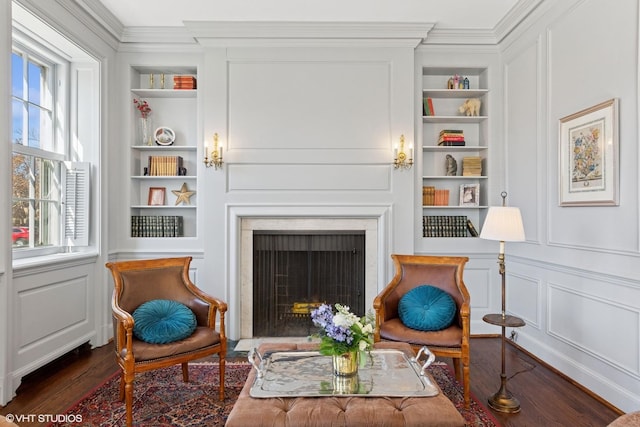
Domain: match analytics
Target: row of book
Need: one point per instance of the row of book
(157, 226)
(165, 165)
(427, 107)
(447, 226)
(432, 196)
(472, 166)
(451, 138)
(185, 82)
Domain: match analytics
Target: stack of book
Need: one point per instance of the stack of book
(184, 82)
(441, 198)
(451, 138)
(444, 226)
(427, 107)
(431, 196)
(157, 226)
(428, 195)
(471, 166)
(165, 165)
(447, 226)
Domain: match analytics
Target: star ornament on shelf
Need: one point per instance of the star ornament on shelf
(184, 195)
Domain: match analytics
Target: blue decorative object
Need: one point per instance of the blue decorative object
(427, 308)
(163, 321)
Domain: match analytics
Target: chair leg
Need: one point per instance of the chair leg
(122, 387)
(461, 370)
(456, 368)
(128, 398)
(222, 363)
(185, 372)
(466, 384)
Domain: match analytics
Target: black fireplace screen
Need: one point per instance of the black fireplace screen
(294, 272)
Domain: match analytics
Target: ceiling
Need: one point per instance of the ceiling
(458, 14)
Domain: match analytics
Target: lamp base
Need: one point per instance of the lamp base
(503, 401)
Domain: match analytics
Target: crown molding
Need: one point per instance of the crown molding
(103, 16)
(512, 20)
(409, 32)
(157, 35)
(515, 17)
(452, 36)
(56, 14)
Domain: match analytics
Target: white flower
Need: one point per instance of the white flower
(362, 345)
(340, 319)
(367, 329)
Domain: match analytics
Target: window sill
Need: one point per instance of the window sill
(53, 261)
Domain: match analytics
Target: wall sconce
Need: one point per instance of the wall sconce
(402, 159)
(216, 154)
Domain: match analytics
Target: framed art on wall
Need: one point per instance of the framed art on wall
(588, 145)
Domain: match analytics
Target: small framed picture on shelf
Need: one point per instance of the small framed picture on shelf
(157, 196)
(469, 194)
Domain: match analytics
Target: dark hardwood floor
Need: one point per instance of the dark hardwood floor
(546, 398)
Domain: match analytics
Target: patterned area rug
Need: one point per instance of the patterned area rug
(162, 399)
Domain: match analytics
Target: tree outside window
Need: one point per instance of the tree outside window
(36, 165)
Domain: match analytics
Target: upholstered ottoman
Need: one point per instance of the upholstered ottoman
(340, 411)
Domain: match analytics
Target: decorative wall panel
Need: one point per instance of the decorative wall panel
(320, 104)
(603, 328)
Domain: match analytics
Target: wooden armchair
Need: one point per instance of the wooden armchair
(137, 282)
(444, 273)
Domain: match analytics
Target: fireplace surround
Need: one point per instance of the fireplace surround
(371, 220)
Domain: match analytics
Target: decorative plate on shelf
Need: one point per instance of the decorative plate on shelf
(164, 136)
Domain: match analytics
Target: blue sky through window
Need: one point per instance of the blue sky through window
(26, 101)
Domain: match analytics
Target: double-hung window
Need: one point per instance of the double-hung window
(47, 189)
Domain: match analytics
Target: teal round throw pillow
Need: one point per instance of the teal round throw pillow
(163, 321)
(427, 308)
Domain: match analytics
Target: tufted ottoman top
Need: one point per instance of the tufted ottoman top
(341, 411)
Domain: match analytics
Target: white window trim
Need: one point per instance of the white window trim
(29, 34)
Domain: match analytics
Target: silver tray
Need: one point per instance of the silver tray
(309, 374)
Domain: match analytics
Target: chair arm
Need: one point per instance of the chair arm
(465, 317)
(123, 329)
(215, 306)
(123, 318)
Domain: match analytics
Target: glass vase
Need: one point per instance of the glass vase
(346, 364)
(346, 385)
(145, 130)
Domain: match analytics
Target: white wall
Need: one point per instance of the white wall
(5, 200)
(53, 304)
(575, 280)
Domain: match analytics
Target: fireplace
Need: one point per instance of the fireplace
(373, 226)
(296, 271)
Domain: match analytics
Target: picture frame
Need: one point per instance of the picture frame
(157, 196)
(469, 194)
(164, 136)
(589, 156)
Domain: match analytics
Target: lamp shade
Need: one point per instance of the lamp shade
(503, 223)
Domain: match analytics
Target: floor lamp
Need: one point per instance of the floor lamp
(504, 224)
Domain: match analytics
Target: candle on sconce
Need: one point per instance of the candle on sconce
(206, 150)
(220, 152)
(410, 151)
(395, 151)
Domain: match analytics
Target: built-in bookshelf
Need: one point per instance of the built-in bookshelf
(455, 148)
(167, 166)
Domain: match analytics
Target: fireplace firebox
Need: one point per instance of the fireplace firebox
(295, 271)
